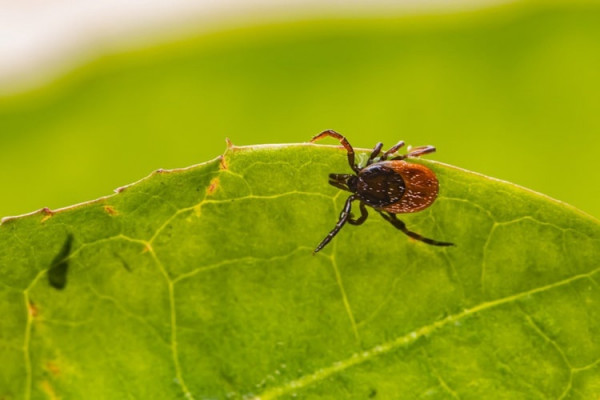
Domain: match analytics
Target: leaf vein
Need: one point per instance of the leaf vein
(173, 313)
(340, 285)
(556, 346)
(125, 311)
(245, 259)
(442, 382)
(387, 347)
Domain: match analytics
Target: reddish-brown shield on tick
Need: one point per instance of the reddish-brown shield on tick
(388, 184)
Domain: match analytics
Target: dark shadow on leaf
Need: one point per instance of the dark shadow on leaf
(57, 274)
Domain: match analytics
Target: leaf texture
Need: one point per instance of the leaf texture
(201, 283)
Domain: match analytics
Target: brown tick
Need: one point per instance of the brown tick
(390, 187)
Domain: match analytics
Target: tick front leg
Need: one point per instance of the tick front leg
(374, 153)
(392, 150)
(344, 143)
(363, 216)
(344, 215)
(391, 218)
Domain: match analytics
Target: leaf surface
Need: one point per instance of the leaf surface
(201, 283)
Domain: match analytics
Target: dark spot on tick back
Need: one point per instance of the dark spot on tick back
(57, 273)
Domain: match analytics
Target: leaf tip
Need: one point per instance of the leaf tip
(229, 143)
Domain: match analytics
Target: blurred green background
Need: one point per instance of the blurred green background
(510, 91)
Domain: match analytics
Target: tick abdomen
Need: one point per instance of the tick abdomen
(379, 186)
(421, 187)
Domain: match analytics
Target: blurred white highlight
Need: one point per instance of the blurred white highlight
(40, 39)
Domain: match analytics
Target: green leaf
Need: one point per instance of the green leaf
(201, 283)
(523, 77)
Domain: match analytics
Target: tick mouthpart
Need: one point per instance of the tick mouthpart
(340, 178)
(343, 181)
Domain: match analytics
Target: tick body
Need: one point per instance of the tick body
(388, 185)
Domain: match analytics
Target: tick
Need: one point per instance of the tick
(387, 184)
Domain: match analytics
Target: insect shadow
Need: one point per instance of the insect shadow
(57, 273)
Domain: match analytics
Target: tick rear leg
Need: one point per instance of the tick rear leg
(344, 143)
(344, 216)
(363, 216)
(392, 219)
(392, 150)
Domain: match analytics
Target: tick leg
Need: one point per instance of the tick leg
(344, 215)
(344, 143)
(421, 150)
(374, 153)
(400, 225)
(417, 152)
(392, 150)
(363, 216)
